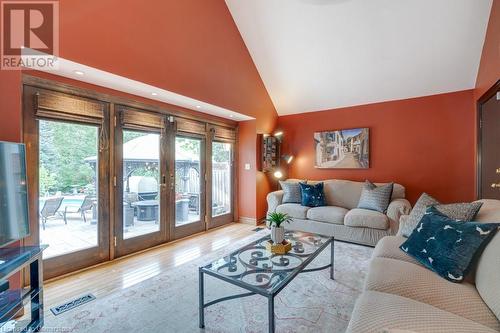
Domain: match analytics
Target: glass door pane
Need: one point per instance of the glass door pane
(221, 178)
(141, 183)
(187, 180)
(68, 187)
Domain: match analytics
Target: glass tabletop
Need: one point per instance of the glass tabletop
(12, 257)
(254, 267)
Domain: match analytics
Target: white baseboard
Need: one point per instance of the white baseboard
(248, 220)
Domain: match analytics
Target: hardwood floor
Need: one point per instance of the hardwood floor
(124, 272)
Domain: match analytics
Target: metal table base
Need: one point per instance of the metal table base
(253, 291)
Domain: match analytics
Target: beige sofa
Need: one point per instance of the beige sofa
(400, 295)
(341, 218)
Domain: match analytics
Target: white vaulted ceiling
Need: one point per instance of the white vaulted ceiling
(323, 54)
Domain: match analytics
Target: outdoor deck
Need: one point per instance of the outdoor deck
(77, 234)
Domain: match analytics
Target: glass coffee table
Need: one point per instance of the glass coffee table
(255, 269)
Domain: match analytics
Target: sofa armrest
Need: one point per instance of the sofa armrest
(274, 200)
(402, 221)
(396, 209)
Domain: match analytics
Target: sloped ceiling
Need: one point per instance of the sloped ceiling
(323, 54)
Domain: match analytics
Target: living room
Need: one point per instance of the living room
(265, 165)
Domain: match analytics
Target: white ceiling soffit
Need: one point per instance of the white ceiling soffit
(101, 78)
(324, 54)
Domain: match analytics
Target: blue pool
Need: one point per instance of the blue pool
(68, 201)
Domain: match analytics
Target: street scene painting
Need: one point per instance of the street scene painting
(342, 149)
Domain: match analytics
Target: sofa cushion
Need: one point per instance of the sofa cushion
(416, 214)
(346, 193)
(293, 210)
(388, 247)
(375, 197)
(365, 218)
(291, 192)
(461, 211)
(312, 195)
(329, 214)
(488, 268)
(464, 211)
(376, 312)
(418, 283)
(448, 246)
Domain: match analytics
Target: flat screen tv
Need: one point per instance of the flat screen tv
(14, 223)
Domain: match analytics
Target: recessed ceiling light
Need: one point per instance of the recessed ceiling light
(198, 106)
(231, 116)
(79, 73)
(154, 94)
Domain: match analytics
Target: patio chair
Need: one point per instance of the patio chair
(50, 208)
(86, 205)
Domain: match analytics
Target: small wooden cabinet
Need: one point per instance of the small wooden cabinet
(270, 153)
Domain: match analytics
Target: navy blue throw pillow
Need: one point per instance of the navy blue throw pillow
(448, 246)
(312, 195)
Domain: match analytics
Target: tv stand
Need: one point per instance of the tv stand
(14, 301)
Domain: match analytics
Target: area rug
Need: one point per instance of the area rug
(169, 302)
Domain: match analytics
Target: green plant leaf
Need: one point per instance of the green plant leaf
(277, 219)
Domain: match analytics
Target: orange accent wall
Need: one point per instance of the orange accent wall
(190, 47)
(247, 189)
(10, 105)
(489, 68)
(254, 184)
(425, 144)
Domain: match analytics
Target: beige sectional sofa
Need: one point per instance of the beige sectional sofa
(341, 218)
(400, 295)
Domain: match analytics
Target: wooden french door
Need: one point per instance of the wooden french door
(108, 176)
(68, 171)
(488, 144)
(221, 182)
(189, 184)
(142, 191)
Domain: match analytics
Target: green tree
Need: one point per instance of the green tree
(63, 149)
(47, 181)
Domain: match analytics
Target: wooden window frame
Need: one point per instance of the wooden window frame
(82, 258)
(479, 118)
(223, 135)
(177, 232)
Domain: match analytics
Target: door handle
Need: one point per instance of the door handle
(495, 185)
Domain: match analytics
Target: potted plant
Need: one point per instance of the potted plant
(276, 221)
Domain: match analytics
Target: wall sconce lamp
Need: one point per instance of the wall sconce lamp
(278, 174)
(287, 158)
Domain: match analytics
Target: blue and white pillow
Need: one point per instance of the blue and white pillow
(312, 195)
(448, 246)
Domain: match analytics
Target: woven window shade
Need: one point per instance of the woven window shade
(60, 106)
(141, 120)
(190, 126)
(223, 132)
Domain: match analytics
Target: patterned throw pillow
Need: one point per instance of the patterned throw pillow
(291, 192)
(375, 197)
(312, 195)
(447, 246)
(458, 211)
